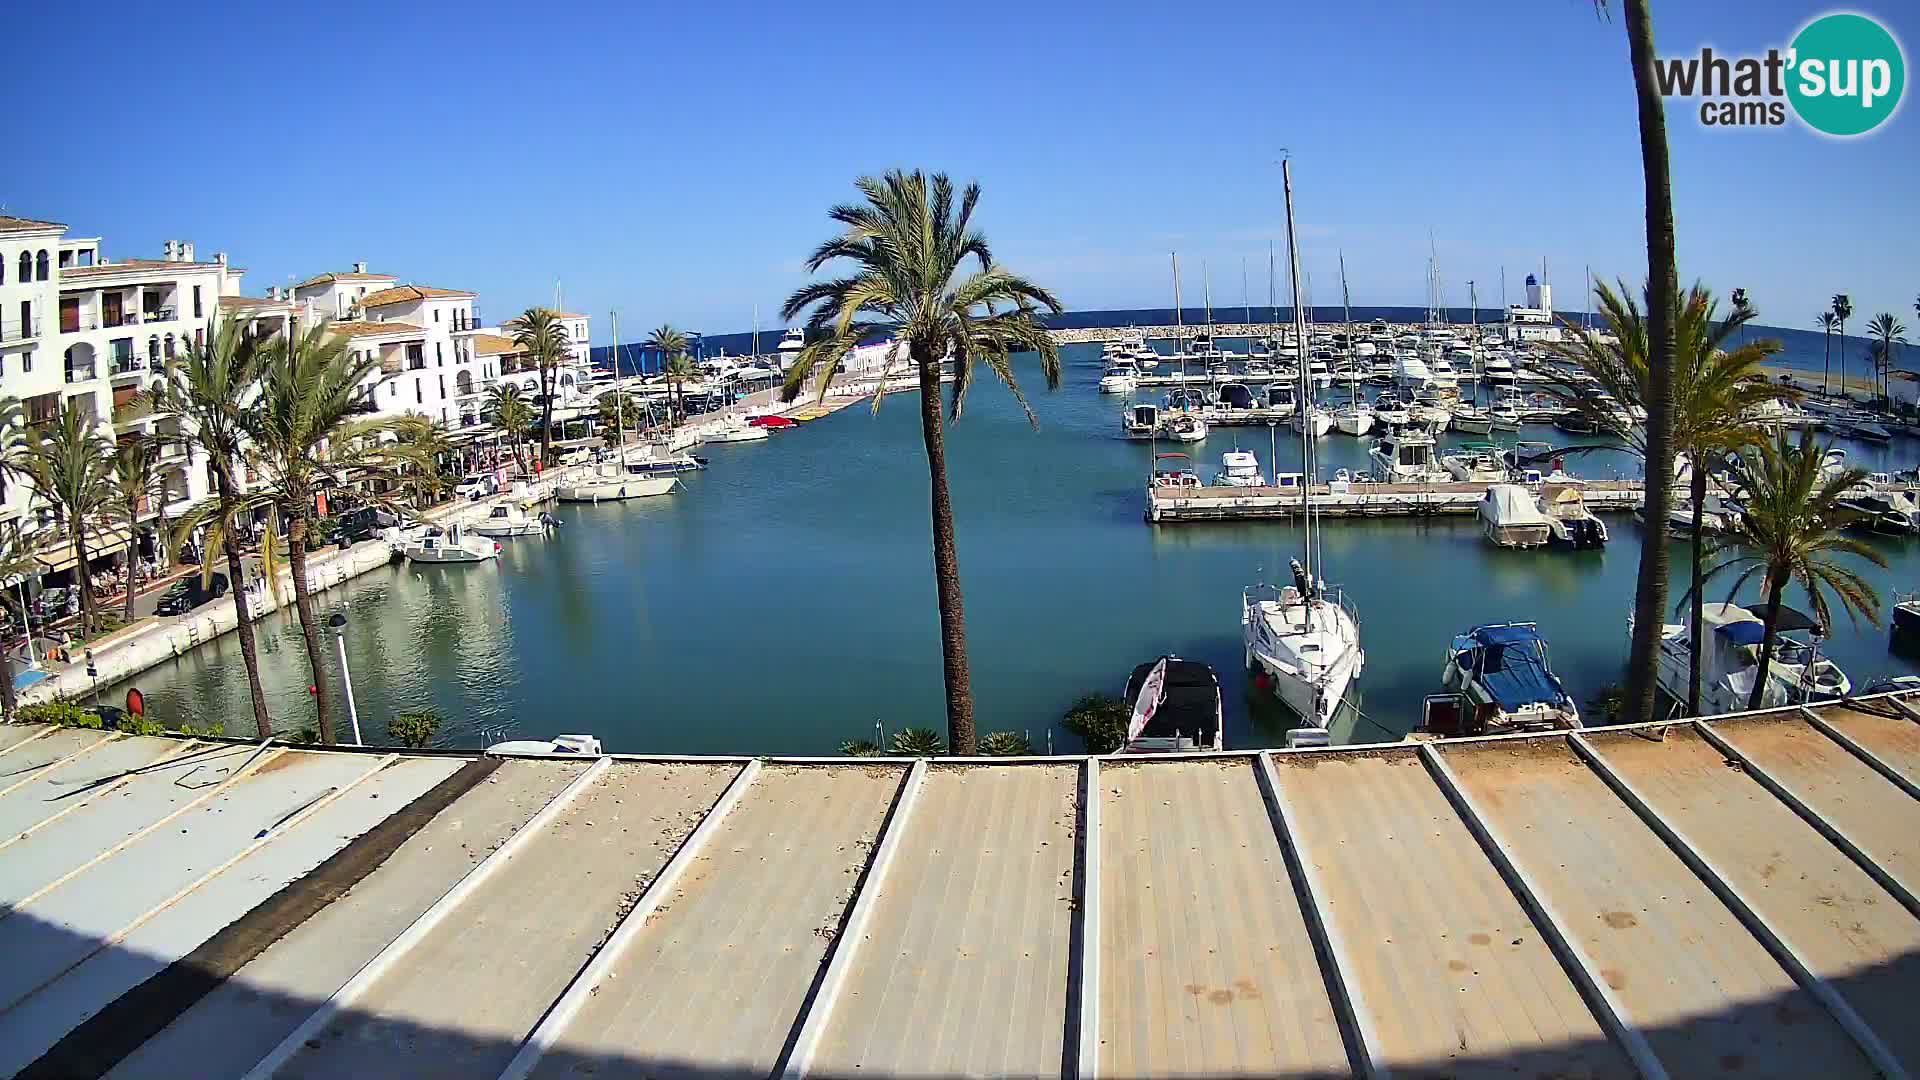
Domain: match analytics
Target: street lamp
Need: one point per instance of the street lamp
(339, 624)
(93, 677)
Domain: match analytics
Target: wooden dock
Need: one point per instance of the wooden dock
(1167, 505)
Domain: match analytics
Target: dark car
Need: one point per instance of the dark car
(189, 593)
(362, 523)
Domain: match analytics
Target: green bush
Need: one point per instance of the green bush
(209, 731)
(860, 748)
(1100, 721)
(63, 713)
(141, 725)
(916, 742)
(414, 730)
(1005, 744)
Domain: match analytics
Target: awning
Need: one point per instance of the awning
(63, 557)
(1791, 621)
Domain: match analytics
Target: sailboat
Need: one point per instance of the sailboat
(1355, 417)
(609, 483)
(1183, 426)
(1302, 639)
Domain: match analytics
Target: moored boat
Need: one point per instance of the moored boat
(1499, 682)
(1174, 706)
(449, 545)
(1510, 518)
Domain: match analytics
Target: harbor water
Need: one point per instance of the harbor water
(784, 602)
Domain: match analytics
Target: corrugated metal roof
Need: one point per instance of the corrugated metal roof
(1730, 898)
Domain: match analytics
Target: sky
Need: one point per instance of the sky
(675, 162)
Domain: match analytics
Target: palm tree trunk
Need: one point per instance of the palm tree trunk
(83, 575)
(243, 628)
(1697, 602)
(9, 698)
(1826, 373)
(946, 562)
(1650, 598)
(133, 560)
(1775, 587)
(1843, 358)
(309, 628)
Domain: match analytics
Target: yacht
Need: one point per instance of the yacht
(1731, 661)
(1355, 419)
(1183, 427)
(1280, 400)
(1411, 373)
(1121, 376)
(1474, 464)
(451, 545)
(1499, 682)
(1569, 522)
(1235, 395)
(508, 520)
(1512, 519)
(1390, 411)
(737, 430)
(1504, 417)
(1497, 370)
(1883, 511)
(1405, 456)
(790, 345)
(1305, 643)
(612, 483)
(1314, 420)
(1174, 706)
(1442, 373)
(1472, 420)
(1140, 422)
(1238, 468)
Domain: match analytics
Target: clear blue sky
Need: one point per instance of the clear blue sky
(676, 160)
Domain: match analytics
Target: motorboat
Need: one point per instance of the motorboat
(1717, 516)
(650, 458)
(1173, 706)
(1391, 411)
(1906, 616)
(1569, 522)
(1511, 519)
(1497, 370)
(790, 345)
(737, 430)
(1173, 471)
(1120, 377)
(1280, 400)
(1499, 682)
(1472, 420)
(1474, 464)
(1730, 663)
(1183, 427)
(508, 520)
(1238, 468)
(1442, 373)
(1235, 395)
(1504, 417)
(449, 545)
(1882, 511)
(585, 745)
(1140, 422)
(1355, 419)
(1186, 399)
(611, 484)
(1411, 373)
(1305, 642)
(773, 421)
(1314, 420)
(1405, 456)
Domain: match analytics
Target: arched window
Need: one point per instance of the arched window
(153, 350)
(26, 267)
(44, 265)
(169, 346)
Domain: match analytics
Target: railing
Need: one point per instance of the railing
(157, 315)
(128, 365)
(77, 373)
(19, 331)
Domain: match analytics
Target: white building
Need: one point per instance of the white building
(1533, 320)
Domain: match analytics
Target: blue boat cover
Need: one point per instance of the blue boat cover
(1513, 667)
(1742, 633)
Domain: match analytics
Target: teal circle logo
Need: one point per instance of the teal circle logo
(1846, 76)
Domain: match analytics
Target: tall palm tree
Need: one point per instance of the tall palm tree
(680, 370)
(1842, 308)
(423, 451)
(507, 410)
(1663, 280)
(305, 444)
(1791, 532)
(1827, 324)
(1886, 332)
(205, 391)
(674, 364)
(543, 337)
(1717, 393)
(908, 245)
(69, 464)
(137, 483)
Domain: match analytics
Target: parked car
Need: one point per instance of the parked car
(476, 487)
(362, 523)
(190, 592)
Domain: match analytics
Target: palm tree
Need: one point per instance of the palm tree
(513, 415)
(16, 561)
(305, 443)
(540, 334)
(1827, 324)
(205, 390)
(1716, 394)
(1842, 308)
(1791, 532)
(423, 449)
(617, 413)
(672, 346)
(1886, 332)
(680, 370)
(908, 245)
(69, 464)
(136, 483)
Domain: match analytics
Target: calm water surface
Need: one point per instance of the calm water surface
(784, 601)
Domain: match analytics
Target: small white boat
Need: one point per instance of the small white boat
(1140, 422)
(737, 431)
(1504, 417)
(1511, 519)
(451, 545)
(1474, 465)
(1405, 456)
(1121, 376)
(1238, 468)
(1313, 420)
(1500, 683)
(1731, 660)
(1472, 420)
(559, 744)
(509, 520)
(1175, 706)
(1183, 427)
(1569, 522)
(1305, 643)
(612, 485)
(1355, 419)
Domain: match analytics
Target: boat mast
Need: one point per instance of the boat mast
(1300, 334)
(1246, 298)
(1273, 303)
(1346, 327)
(1179, 332)
(619, 401)
(1473, 321)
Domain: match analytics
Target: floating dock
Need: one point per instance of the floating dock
(1166, 505)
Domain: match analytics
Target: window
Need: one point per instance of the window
(439, 358)
(436, 314)
(69, 314)
(26, 267)
(26, 318)
(153, 351)
(45, 266)
(3, 271)
(419, 394)
(197, 313)
(26, 360)
(199, 337)
(169, 346)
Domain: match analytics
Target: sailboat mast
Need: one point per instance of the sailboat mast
(1300, 336)
(1273, 302)
(1346, 327)
(1246, 298)
(1473, 320)
(619, 399)
(1179, 332)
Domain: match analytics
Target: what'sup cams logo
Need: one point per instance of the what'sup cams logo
(1843, 76)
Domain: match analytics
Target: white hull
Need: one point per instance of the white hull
(1312, 652)
(739, 434)
(523, 528)
(1185, 429)
(470, 552)
(613, 489)
(1314, 422)
(1117, 384)
(1354, 422)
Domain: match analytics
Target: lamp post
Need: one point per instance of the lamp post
(339, 624)
(93, 677)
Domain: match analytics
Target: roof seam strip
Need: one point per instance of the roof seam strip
(1855, 748)
(396, 949)
(819, 1011)
(1783, 953)
(28, 775)
(588, 981)
(1087, 1056)
(1607, 1009)
(1308, 890)
(101, 787)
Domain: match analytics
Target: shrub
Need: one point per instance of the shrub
(916, 742)
(860, 748)
(414, 730)
(209, 731)
(1100, 721)
(142, 725)
(1005, 744)
(63, 713)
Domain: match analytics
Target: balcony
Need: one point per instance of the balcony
(157, 315)
(14, 330)
(128, 365)
(79, 373)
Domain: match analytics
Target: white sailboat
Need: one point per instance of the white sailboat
(1355, 417)
(1303, 637)
(609, 483)
(1183, 426)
